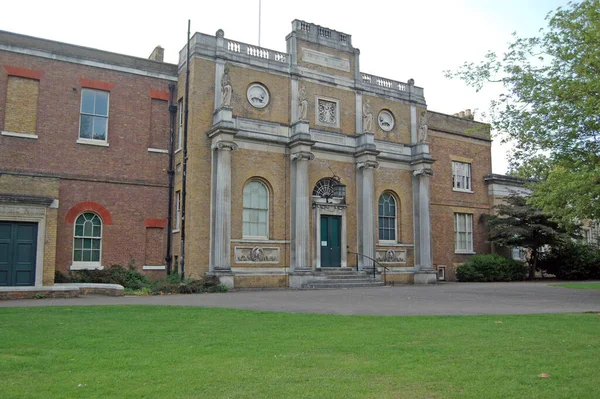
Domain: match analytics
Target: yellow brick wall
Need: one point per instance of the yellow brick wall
(21, 105)
(273, 170)
(347, 106)
(278, 87)
(401, 112)
(43, 187)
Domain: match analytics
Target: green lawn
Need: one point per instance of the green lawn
(579, 286)
(188, 352)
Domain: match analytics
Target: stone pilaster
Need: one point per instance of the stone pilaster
(366, 206)
(300, 145)
(222, 143)
(424, 271)
(222, 205)
(366, 163)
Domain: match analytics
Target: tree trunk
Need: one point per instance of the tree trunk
(533, 265)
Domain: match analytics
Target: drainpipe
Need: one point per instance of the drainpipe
(184, 167)
(172, 113)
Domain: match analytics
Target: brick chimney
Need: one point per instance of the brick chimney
(158, 54)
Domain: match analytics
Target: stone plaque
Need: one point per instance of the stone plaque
(256, 254)
(258, 95)
(326, 60)
(386, 120)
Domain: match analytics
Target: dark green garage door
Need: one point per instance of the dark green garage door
(17, 253)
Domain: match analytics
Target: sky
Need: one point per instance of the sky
(398, 39)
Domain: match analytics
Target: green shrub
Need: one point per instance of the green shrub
(136, 284)
(572, 261)
(116, 274)
(487, 268)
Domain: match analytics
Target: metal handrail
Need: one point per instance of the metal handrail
(374, 268)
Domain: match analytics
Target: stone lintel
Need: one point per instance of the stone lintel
(25, 199)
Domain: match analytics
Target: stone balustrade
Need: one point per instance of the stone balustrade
(385, 83)
(255, 51)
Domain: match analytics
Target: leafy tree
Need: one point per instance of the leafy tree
(518, 224)
(550, 107)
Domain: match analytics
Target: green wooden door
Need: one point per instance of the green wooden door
(331, 251)
(18, 242)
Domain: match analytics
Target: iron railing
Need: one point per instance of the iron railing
(385, 269)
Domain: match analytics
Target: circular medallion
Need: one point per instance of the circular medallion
(385, 120)
(258, 95)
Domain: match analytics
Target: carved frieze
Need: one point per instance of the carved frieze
(390, 256)
(256, 254)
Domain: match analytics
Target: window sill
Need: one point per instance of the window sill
(86, 266)
(154, 267)
(458, 190)
(393, 244)
(20, 135)
(158, 150)
(92, 142)
(465, 253)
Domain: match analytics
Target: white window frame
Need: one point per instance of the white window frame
(441, 270)
(520, 252)
(395, 240)
(468, 231)
(337, 113)
(180, 125)
(467, 177)
(87, 265)
(85, 140)
(266, 236)
(177, 211)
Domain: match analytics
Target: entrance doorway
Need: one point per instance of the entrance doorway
(331, 251)
(18, 248)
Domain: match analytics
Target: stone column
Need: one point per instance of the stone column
(300, 192)
(366, 211)
(424, 272)
(222, 137)
(301, 233)
(222, 213)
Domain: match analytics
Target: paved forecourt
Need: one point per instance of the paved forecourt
(444, 299)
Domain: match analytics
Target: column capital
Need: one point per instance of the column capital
(368, 164)
(225, 145)
(302, 156)
(428, 172)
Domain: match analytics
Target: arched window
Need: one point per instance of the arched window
(256, 210)
(87, 243)
(387, 217)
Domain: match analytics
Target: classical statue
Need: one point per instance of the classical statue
(302, 104)
(423, 127)
(226, 89)
(367, 117)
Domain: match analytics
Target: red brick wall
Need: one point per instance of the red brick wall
(130, 182)
(126, 238)
(129, 124)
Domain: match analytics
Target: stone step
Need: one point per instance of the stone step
(332, 280)
(328, 285)
(344, 276)
(338, 271)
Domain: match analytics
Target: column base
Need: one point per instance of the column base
(225, 277)
(425, 277)
(299, 276)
